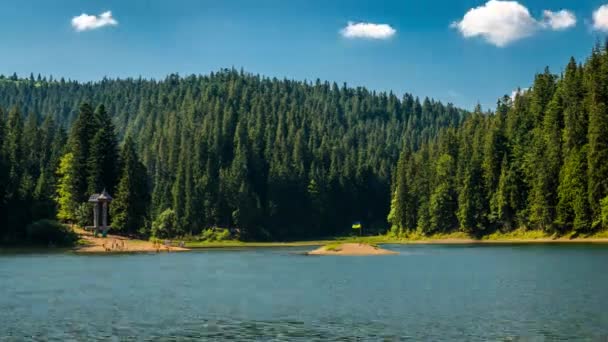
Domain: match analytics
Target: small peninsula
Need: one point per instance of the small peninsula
(351, 249)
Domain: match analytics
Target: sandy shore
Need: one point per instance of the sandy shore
(351, 249)
(119, 244)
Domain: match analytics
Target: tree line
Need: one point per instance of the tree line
(540, 161)
(46, 173)
(277, 159)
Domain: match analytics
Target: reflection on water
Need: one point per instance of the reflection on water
(425, 293)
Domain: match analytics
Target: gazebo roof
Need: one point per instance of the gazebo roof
(102, 197)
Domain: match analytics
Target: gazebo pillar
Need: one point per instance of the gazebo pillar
(104, 214)
(101, 202)
(96, 215)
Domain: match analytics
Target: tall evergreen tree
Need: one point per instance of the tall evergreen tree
(103, 161)
(83, 130)
(129, 209)
(597, 157)
(573, 206)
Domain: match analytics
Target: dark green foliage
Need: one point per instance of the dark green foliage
(539, 162)
(403, 214)
(82, 131)
(442, 202)
(49, 232)
(29, 155)
(84, 215)
(597, 156)
(129, 210)
(280, 159)
(103, 161)
(277, 159)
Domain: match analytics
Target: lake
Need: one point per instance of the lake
(428, 292)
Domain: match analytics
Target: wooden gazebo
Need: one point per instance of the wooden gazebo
(100, 208)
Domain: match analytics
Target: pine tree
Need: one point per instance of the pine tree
(442, 203)
(597, 157)
(83, 130)
(129, 209)
(403, 206)
(103, 160)
(67, 201)
(573, 207)
(3, 176)
(13, 150)
(502, 206)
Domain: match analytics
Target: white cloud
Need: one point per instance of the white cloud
(559, 20)
(498, 22)
(86, 22)
(518, 91)
(502, 22)
(600, 18)
(368, 31)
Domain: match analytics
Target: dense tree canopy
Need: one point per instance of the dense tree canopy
(275, 158)
(281, 159)
(539, 162)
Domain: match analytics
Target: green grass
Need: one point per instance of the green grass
(236, 243)
(599, 235)
(410, 237)
(519, 234)
(334, 247)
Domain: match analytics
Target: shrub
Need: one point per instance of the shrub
(83, 215)
(45, 232)
(165, 224)
(215, 234)
(604, 212)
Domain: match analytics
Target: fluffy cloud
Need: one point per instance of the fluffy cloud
(86, 22)
(559, 20)
(498, 22)
(368, 31)
(600, 18)
(503, 22)
(518, 91)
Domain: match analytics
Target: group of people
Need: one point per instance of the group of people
(167, 244)
(115, 245)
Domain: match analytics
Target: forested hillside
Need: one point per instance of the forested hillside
(278, 159)
(539, 162)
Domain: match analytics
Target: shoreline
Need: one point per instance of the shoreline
(119, 244)
(91, 245)
(389, 241)
(499, 241)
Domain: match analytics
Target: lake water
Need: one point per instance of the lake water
(468, 293)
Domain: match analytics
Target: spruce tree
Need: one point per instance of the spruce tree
(597, 157)
(573, 207)
(129, 209)
(102, 162)
(83, 130)
(442, 202)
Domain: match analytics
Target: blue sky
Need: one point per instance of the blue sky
(428, 48)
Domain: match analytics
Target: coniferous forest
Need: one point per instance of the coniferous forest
(281, 159)
(540, 162)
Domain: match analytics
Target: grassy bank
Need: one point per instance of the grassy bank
(516, 236)
(236, 244)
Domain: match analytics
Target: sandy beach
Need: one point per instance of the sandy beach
(351, 249)
(119, 244)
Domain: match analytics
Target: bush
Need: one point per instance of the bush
(165, 224)
(215, 234)
(45, 232)
(83, 215)
(604, 212)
